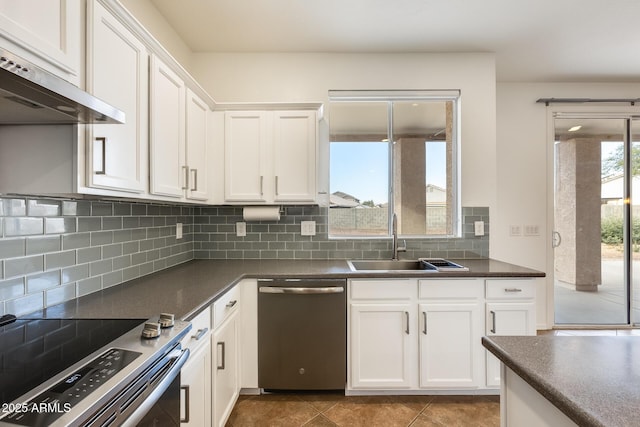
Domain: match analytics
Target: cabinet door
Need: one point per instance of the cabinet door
(225, 369)
(167, 135)
(505, 318)
(294, 156)
(118, 73)
(380, 346)
(195, 387)
(197, 135)
(245, 169)
(45, 32)
(450, 344)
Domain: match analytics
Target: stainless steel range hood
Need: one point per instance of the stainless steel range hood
(30, 95)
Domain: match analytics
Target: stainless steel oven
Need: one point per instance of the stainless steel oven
(91, 372)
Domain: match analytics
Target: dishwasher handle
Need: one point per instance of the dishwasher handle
(301, 290)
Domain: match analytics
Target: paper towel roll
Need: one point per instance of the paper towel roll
(261, 213)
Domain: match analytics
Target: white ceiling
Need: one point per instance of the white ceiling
(533, 40)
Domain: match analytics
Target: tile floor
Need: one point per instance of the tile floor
(320, 410)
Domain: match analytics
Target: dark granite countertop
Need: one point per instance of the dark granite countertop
(594, 380)
(188, 288)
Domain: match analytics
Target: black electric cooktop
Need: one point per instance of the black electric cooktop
(34, 350)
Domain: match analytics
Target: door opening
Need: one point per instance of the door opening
(596, 234)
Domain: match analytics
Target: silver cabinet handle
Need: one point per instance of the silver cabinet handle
(223, 357)
(103, 169)
(406, 314)
(295, 290)
(512, 290)
(277, 185)
(424, 315)
(195, 179)
(186, 404)
(231, 303)
(201, 333)
(185, 169)
(493, 322)
(261, 185)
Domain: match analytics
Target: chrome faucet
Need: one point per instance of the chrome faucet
(396, 248)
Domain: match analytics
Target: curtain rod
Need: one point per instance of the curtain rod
(548, 101)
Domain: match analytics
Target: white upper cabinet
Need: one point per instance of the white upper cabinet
(270, 156)
(294, 156)
(45, 32)
(118, 73)
(245, 140)
(178, 140)
(167, 136)
(198, 114)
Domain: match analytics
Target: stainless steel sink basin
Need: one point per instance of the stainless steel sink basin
(423, 264)
(389, 265)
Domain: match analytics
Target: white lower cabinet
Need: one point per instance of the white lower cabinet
(195, 376)
(427, 334)
(511, 310)
(195, 386)
(381, 345)
(226, 355)
(451, 327)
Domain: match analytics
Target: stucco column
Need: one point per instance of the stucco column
(410, 197)
(577, 213)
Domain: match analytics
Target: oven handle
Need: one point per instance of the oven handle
(180, 358)
(300, 290)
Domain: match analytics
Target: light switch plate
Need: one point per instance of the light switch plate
(241, 229)
(178, 230)
(308, 228)
(531, 230)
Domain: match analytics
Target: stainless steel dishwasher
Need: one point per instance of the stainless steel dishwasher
(302, 330)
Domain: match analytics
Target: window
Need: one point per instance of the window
(414, 176)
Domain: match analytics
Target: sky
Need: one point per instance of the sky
(362, 169)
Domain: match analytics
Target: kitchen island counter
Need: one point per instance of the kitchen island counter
(188, 288)
(592, 380)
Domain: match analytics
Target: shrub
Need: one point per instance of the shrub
(612, 230)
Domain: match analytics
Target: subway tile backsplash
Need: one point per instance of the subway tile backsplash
(215, 238)
(54, 250)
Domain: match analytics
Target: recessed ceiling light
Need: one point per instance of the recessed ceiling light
(575, 128)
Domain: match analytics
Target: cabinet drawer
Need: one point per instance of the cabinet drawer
(227, 304)
(200, 330)
(510, 289)
(450, 289)
(382, 289)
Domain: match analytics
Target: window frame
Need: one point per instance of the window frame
(390, 97)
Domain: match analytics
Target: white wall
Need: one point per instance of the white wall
(155, 23)
(238, 77)
(523, 169)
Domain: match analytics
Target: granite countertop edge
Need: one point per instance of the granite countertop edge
(188, 288)
(544, 386)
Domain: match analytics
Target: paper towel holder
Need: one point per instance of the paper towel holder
(262, 213)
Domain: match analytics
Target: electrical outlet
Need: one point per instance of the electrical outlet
(478, 228)
(308, 228)
(241, 229)
(515, 230)
(178, 230)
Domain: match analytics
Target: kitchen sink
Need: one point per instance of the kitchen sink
(423, 264)
(390, 265)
